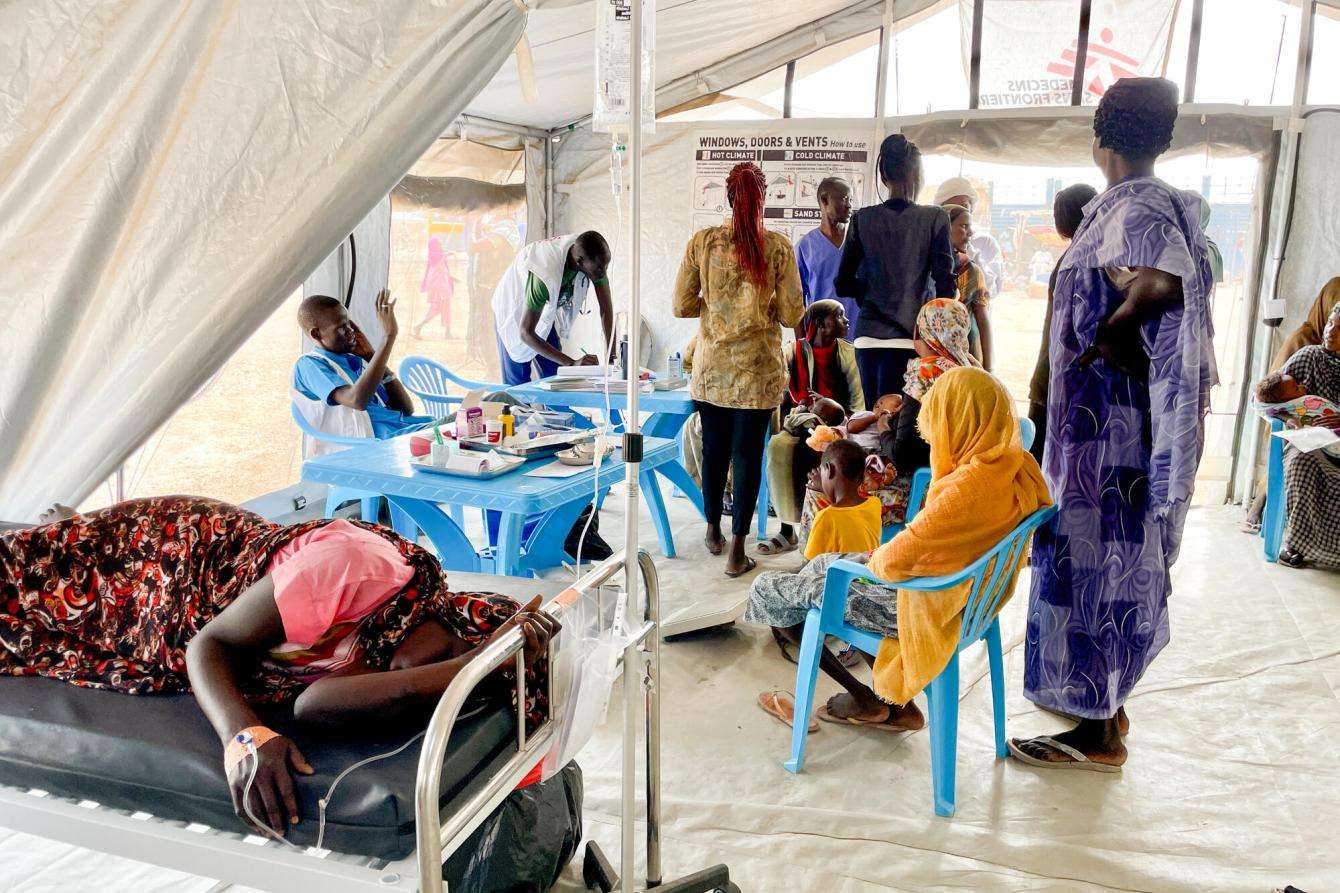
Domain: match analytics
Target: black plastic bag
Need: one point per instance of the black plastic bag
(525, 845)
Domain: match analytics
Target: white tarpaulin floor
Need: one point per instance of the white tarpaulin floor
(1231, 784)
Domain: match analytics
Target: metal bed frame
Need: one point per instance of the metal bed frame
(269, 865)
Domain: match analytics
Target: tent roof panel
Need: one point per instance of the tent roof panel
(690, 35)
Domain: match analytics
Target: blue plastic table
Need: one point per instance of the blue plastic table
(670, 410)
(384, 467)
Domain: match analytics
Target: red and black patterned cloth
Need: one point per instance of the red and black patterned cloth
(111, 599)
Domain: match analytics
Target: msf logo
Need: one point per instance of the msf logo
(1105, 64)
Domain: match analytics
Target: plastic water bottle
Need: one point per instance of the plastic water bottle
(675, 366)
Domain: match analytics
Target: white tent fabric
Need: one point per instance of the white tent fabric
(701, 46)
(168, 173)
(1314, 236)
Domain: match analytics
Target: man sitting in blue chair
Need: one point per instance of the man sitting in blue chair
(344, 386)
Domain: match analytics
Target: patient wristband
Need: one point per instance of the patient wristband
(244, 742)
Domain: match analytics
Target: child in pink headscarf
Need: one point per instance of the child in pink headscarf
(439, 286)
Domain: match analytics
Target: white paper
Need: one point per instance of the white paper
(1313, 437)
(792, 163)
(556, 469)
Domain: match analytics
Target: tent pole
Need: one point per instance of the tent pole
(632, 441)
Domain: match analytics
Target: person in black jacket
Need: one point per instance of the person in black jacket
(896, 257)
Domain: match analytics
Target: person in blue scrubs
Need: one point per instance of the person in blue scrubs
(819, 250)
(374, 389)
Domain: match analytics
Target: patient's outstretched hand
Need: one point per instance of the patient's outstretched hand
(273, 799)
(537, 628)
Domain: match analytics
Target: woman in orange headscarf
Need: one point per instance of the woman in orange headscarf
(983, 484)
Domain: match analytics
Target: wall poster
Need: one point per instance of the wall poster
(793, 165)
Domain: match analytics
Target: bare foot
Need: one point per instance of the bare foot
(1123, 722)
(737, 563)
(1097, 739)
(56, 513)
(716, 543)
(906, 718)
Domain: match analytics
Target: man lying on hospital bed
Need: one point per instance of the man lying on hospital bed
(345, 387)
(347, 621)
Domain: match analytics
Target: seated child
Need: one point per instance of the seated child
(881, 476)
(863, 427)
(848, 525)
(344, 370)
(789, 465)
(1279, 387)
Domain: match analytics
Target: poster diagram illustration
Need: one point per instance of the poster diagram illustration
(793, 166)
(709, 194)
(782, 189)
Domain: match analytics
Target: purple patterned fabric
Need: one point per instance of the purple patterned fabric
(1121, 455)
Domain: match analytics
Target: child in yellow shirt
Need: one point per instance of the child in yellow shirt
(850, 521)
(849, 527)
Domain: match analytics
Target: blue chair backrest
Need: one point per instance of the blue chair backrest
(998, 571)
(921, 479)
(991, 576)
(431, 382)
(307, 429)
(1028, 432)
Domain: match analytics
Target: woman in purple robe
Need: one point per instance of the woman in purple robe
(1131, 370)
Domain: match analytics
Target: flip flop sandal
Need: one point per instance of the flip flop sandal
(1077, 760)
(781, 706)
(882, 724)
(777, 545)
(749, 565)
(850, 657)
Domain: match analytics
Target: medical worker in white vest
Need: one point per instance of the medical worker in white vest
(538, 299)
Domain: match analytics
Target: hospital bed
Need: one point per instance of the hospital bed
(140, 777)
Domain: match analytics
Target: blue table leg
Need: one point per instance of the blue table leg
(507, 555)
(453, 547)
(675, 472)
(647, 479)
(402, 523)
(763, 491)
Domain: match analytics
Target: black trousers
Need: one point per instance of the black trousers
(883, 370)
(732, 438)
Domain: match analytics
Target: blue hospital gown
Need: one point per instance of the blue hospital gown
(1121, 455)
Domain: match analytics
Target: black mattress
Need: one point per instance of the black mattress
(158, 754)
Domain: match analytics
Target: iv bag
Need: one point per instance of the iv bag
(614, 86)
(585, 665)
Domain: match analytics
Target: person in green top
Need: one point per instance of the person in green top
(540, 296)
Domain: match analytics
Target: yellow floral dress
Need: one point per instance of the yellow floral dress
(738, 360)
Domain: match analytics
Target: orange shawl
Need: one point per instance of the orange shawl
(983, 484)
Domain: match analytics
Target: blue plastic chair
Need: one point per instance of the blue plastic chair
(921, 480)
(1276, 512)
(431, 382)
(990, 575)
(370, 503)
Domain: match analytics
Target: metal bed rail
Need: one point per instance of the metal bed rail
(436, 840)
(269, 865)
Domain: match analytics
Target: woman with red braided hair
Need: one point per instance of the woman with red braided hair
(742, 283)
